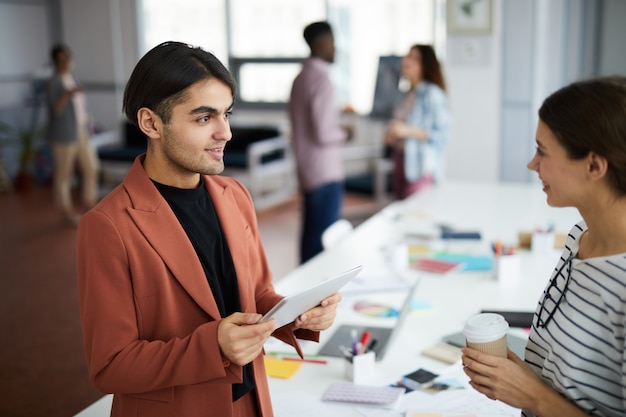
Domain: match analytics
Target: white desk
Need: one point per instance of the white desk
(498, 211)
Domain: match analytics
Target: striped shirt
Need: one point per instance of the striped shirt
(580, 351)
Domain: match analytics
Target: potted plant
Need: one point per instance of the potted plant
(24, 179)
(5, 183)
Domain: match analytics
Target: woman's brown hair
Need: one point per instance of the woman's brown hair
(431, 69)
(590, 116)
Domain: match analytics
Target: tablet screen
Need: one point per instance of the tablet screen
(290, 307)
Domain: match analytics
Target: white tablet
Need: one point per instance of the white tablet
(290, 307)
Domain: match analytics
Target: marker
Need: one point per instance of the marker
(497, 247)
(370, 347)
(355, 348)
(365, 339)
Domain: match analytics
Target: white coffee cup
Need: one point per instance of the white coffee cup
(486, 332)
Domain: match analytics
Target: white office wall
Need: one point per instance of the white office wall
(24, 46)
(102, 35)
(546, 46)
(613, 35)
(473, 68)
(521, 21)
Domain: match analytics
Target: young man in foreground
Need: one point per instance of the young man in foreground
(172, 273)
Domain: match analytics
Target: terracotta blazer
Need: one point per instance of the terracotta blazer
(149, 318)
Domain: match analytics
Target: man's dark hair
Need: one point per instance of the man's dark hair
(57, 49)
(160, 79)
(313, 31)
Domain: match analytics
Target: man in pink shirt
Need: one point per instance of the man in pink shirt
(317, 139)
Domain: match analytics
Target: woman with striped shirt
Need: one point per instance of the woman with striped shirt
(575, 361)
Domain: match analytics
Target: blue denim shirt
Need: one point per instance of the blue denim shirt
(429, 112)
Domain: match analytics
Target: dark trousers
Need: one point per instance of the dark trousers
(321, 208)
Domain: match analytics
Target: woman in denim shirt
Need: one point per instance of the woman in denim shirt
(419, 130)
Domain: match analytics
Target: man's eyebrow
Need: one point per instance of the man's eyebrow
(203, 109)
(208, 109)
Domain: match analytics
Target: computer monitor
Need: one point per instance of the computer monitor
(387, 93)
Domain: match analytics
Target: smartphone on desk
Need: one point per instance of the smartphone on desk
(515, 318)
(516, 343)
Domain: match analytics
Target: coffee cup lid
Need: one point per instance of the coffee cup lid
(485, 327)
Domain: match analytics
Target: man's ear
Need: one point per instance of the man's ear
(150, 123)
(597, 166)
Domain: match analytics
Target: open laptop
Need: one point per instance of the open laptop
(384, 336)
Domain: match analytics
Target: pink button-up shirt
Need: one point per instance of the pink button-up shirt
(316, 134)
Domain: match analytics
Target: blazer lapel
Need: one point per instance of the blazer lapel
(156, 220)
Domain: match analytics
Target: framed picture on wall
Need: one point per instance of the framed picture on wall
(469, 16)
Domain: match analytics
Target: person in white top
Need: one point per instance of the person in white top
(68, 135)
(575, 360)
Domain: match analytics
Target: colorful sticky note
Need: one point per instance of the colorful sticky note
(375, 310)
(435, 265)
(421, 306)
(279, 368)
(416, 252)
(468, 262)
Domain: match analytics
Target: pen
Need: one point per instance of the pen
(279, 353)
(355, 348)
(290, 358)
(365, 339)
(371, 345)
(497, 247)
(347, 353)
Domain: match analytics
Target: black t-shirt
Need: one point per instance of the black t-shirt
(196, 214)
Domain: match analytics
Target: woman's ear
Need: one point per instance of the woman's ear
(150, 123)
(597, 166)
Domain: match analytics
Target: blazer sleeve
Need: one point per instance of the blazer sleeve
(118, 359)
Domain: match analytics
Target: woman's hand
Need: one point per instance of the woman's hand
(399, 129)
(397, 132)
(390, 138)
(320, 317)
(509, 380)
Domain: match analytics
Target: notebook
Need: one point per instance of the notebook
(436, 265)
(468, 262)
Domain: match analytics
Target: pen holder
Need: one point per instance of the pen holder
(360, 369)
(507, 268)
(542, 243)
